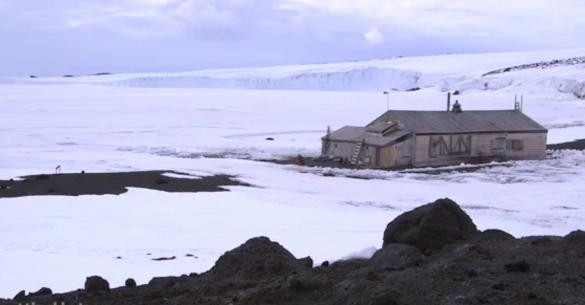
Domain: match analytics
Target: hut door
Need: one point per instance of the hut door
(387, 156)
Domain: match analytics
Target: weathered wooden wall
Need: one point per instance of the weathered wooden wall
(439, 150)
(485, 146)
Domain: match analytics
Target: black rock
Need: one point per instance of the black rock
(577, 236)
(159, 259)
(521, 266)
(20, 296)
(325, 264)
(496, 235)
(396, 257)
(130, 283)
(257, 258)
(307, 262)
(301, 283)
(41, 292)
(499, 286)
(166, 282)
(431, 226)
(96, 283)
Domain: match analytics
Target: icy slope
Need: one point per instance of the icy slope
(554, 71)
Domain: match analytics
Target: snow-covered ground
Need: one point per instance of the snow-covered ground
(167, 121)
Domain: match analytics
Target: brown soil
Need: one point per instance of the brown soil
(75, 184)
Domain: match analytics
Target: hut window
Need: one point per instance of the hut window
(335, 145)
(514, 145)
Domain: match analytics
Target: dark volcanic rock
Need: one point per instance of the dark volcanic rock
(161, 259)
(521, 266)
(165, 282)
(257, 258)
(495, 234)
(307, 262)
(396, 257)
(21, 295)
(577, 236)
(96, 283)
(130, 283)
(431, 226)
(41, 292)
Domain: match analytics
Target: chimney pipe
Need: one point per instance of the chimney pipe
(448, 101)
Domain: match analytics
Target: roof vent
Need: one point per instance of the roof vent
(456, 107)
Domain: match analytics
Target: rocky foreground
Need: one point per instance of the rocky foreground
(431, 255)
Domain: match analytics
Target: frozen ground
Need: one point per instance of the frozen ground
(110, 126)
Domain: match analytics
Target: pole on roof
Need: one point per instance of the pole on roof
(387, 94)
(448, 101)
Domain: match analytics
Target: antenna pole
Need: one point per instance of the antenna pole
(387, 94)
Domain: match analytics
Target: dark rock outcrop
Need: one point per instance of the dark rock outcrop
(130, 283)
(41, 292)
(96, 283)
(431, 226)
(256, 259)
(576, 237)
(495, 234)
(490, 267)
(396, 257)
(21, 295)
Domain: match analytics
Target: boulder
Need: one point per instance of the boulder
(577, 236)
(96, 283)
(130, 283)
(431, 226)
(495, 235)
(258, 258)
(166, 282)
(396, 257)
(307, 261)
(21, 295)
(41, 292)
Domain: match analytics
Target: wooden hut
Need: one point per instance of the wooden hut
(436, 138)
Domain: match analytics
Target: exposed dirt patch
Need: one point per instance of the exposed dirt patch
(577, 144)
(75, 184)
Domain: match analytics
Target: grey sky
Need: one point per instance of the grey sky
(53, 37)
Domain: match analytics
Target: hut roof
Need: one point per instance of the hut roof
(476, 121)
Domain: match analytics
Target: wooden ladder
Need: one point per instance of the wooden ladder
(357, 149)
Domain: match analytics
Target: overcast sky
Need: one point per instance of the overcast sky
(54, 37)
